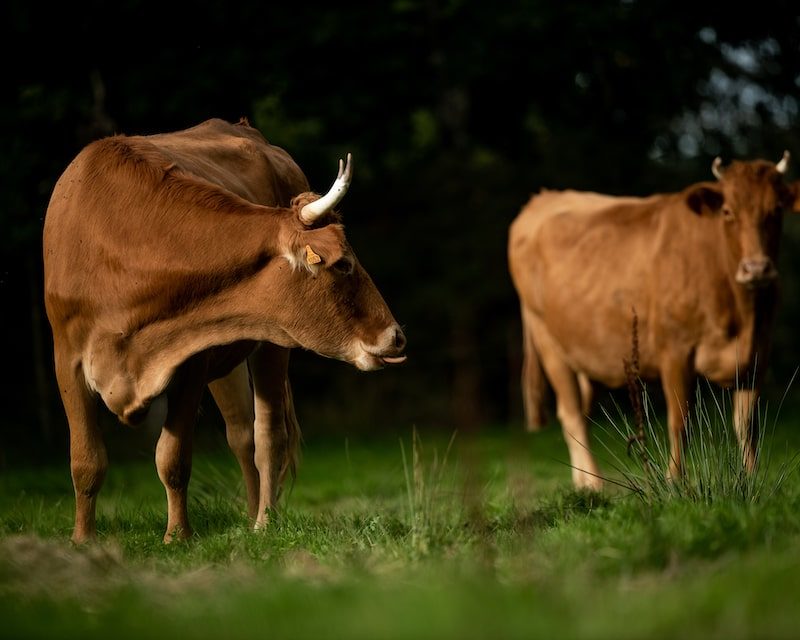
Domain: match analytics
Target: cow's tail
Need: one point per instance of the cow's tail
(534, 383)
(293, 436)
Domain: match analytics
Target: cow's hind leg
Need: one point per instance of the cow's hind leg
(174, 448)
(569, 402)
(87, 451)
(533, 380)
(275, 425)
(234, 397)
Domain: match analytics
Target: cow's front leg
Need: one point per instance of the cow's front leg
(677, 381)
(276, 431)
(234, 397)
(87, 452)
(745, 423)
(174, 448)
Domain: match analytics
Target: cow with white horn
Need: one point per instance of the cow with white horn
(199, 258)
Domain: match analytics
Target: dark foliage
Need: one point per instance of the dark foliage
(455, 113)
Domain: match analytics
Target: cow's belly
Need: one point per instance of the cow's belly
(225, 358)
(608, 366)
(596, 347)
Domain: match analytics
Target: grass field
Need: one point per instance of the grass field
(394, 537)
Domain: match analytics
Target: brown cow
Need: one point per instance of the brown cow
(174, 261)
(696, 267)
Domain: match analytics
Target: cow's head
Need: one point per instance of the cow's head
(749, 199)
(328, 301)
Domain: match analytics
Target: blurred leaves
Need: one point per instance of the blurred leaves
(456, 112)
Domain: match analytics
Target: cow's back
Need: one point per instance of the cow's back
(559, 233)
(113, 201)
(235, 157)
(548, 203)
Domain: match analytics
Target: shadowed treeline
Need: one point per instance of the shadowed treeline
(455, 112)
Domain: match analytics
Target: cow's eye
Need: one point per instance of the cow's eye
(727, 214)
(343, 266)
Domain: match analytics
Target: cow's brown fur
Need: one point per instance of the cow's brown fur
(584, 263)
(175, 260)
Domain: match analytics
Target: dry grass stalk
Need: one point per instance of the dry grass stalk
(635, 391)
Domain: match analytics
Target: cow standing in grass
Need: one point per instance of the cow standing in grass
(697, 268)
(195, 258)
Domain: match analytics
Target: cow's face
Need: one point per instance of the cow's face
(328, 302)
(749, 201)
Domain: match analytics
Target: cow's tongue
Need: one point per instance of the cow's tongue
(393, 359)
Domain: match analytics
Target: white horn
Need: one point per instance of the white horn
(313, 210)
(783, 165)
(716, 168)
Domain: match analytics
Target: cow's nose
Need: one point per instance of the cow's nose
(399, 340)
(756, 270)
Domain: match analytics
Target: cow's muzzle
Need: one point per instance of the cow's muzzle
(756, 272)
(389, 350)
(398, 347)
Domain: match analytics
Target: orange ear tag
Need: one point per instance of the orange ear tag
(311, 257)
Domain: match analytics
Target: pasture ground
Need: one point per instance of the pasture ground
(390, 538)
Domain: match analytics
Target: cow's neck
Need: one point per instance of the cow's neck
(748, 329)
(201, 241)
(131, 368)
(130, 371)
(732, 322)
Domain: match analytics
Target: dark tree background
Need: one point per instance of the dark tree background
(455, 112)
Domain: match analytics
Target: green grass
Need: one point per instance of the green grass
(412, 538)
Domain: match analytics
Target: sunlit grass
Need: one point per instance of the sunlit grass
(713, 469)
(435, 535)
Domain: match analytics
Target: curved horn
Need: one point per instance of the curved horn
(313, 210)
(716, 168)
(784, 163)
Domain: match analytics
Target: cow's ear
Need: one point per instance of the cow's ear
(320, 247)
(794, 197)
(704, 200)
